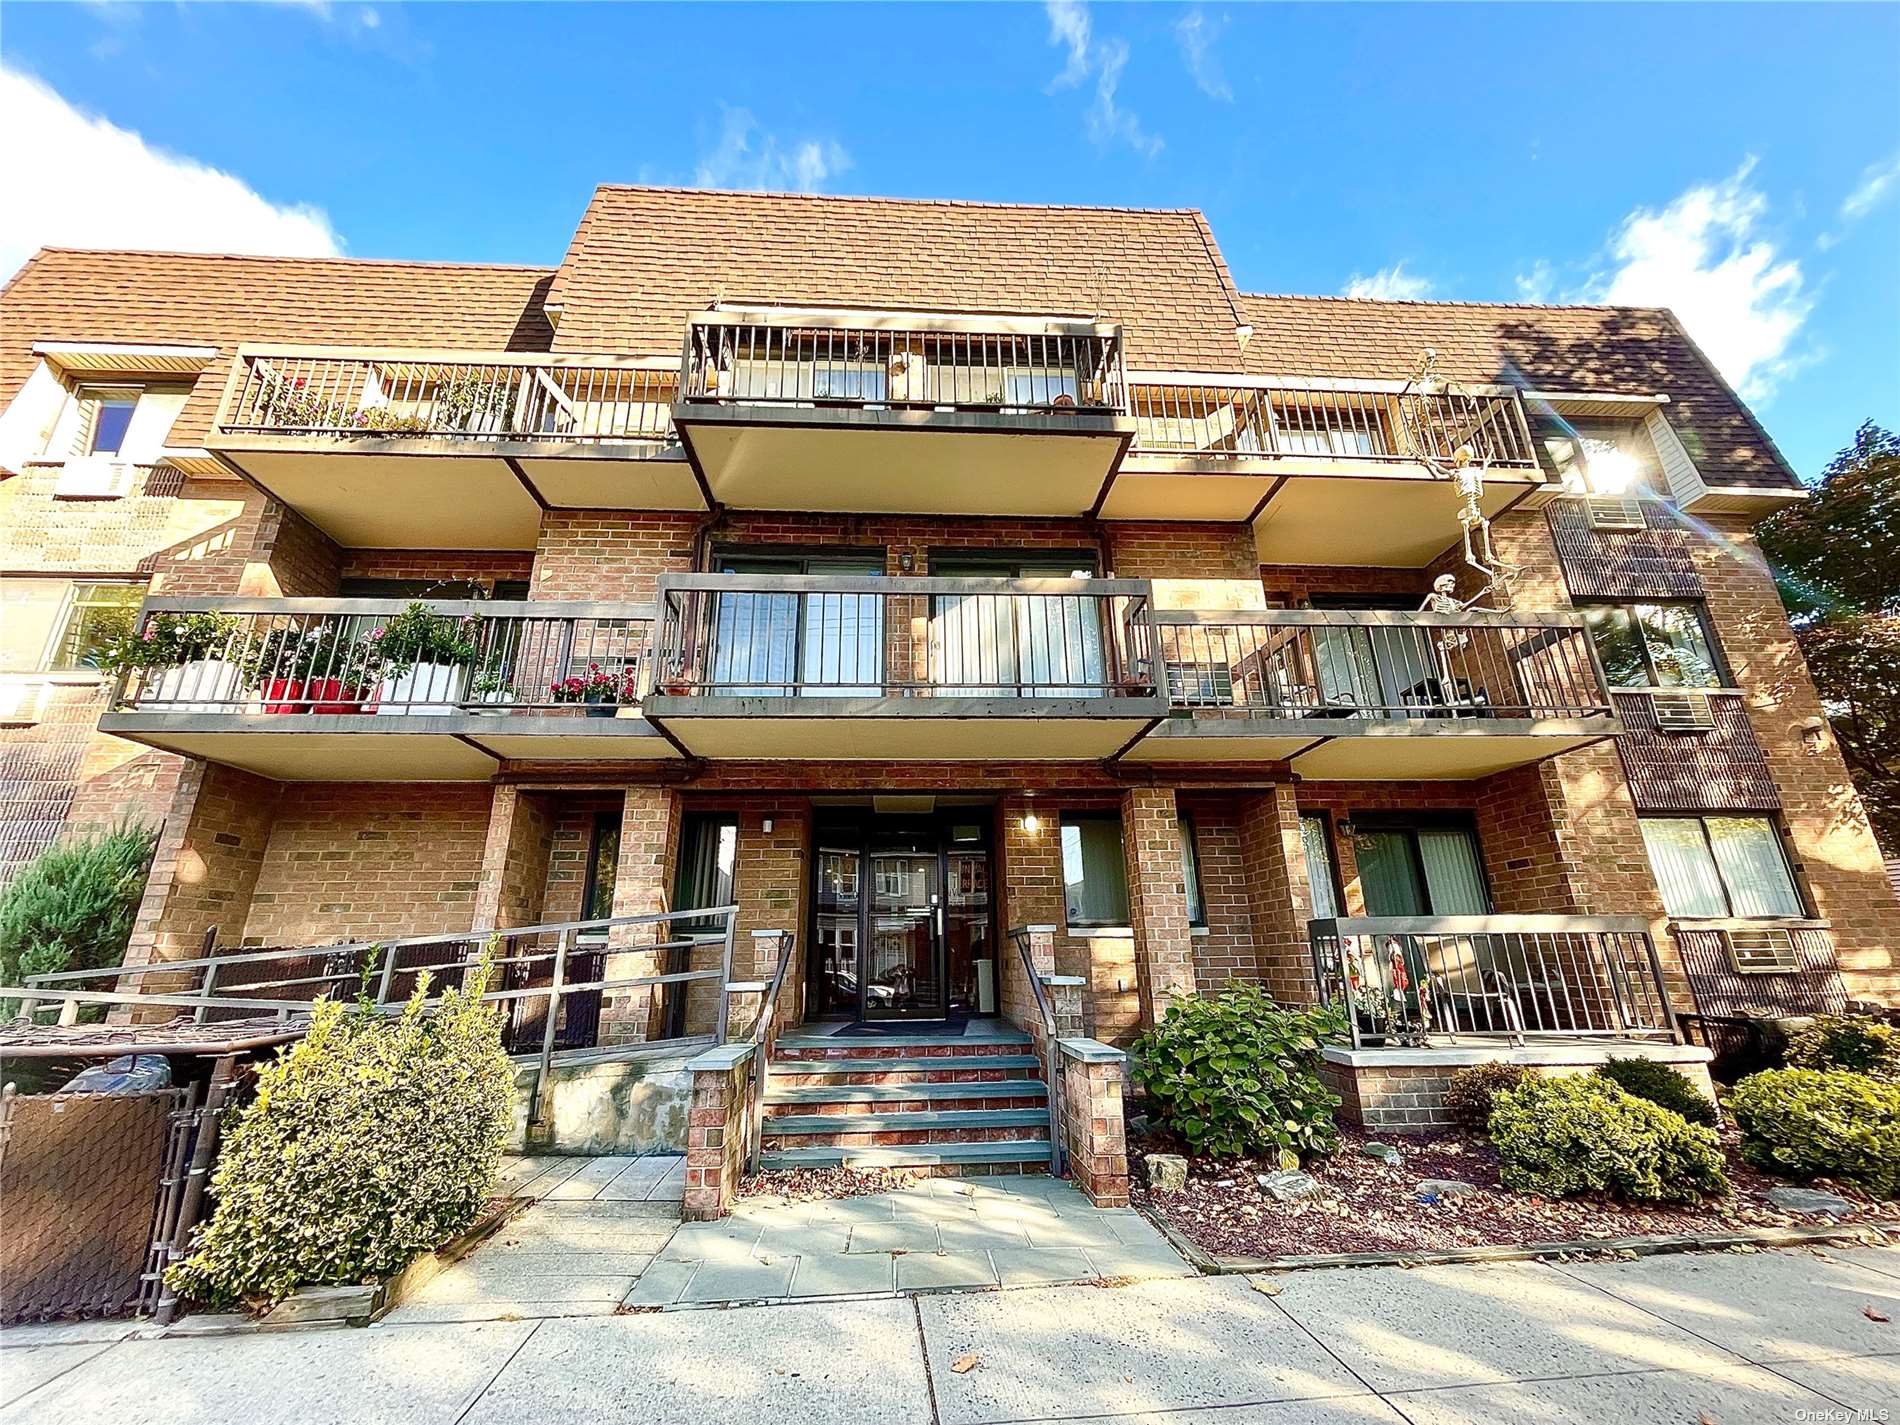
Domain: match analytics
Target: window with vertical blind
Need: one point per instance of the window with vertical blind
(1423, 868)
(1191, 875)
(1721, 867)
(709, 851)
(1317, 846)
(1094, 876)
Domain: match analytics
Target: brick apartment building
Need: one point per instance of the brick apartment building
(955, 580)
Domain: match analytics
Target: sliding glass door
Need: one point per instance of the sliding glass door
(772, 645)
(1004, 645)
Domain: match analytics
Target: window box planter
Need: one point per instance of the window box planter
(201, 685)
(426, 690)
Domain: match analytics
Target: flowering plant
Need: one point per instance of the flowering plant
(325, 651)
(418, 636)
(168, 640)
(598, 686)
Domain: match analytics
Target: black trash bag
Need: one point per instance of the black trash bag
(129, 1073)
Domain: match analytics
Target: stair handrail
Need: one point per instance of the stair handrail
(1052, 1059)
(761, 1047)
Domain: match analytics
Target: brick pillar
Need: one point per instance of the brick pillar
(514, 860)
(643, 885)
(1094, 1136)
(715, 1132)
(1279, 900)
(1157, 898)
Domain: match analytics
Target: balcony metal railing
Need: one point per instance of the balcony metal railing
(892, 361)
(445, 395)
(1237, 418)
(1314, 663)
(1413, 980)
(362, 656)
(860, 636)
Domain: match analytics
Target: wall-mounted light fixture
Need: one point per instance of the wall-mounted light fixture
(906, 561)
(766, 826)
(1031, 822)
(1814, 736)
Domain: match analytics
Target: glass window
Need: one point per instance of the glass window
(1720, 866)
(1653, 645)
(709, 851)
(111, 419)
(30, 615)
(97, 615)
(1421, 870)
(603, 868)
(1191, 875)
(1319, 867)
(1094, 876)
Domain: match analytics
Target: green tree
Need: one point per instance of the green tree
(72, 906)
(1837, 561)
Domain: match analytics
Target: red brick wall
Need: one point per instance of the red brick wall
(210, 854)
(476, 566)
(367, 861)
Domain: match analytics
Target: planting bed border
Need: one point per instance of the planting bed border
(1871, 1234)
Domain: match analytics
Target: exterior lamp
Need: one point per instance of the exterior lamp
(1031, 822)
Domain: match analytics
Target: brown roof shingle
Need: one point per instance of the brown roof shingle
(1621, 350)
(643, 258)
(70, 294)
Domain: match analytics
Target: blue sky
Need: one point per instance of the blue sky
(1739, 163)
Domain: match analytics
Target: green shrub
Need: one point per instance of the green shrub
(72, 906)
(1581, 1133)
(370, 1141)
(1662, 1085)
(1821, 1123)
(1473, 1092)
(1861, 1045)
(1236, 1075)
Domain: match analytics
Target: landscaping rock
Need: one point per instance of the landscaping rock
(1138, 1125)
(1167, 1172)
(1809, 1202)
(1383, 1152)
(1436, 1189)
(1287, 1187)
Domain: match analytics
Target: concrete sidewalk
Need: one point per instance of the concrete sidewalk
(1729, 1338)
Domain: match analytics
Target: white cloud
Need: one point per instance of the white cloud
(1876, 182)
(747, 157)
(1707, 258)
(1390, 284)
(1106, 120)
(1536, 285)
(81, 181)
(1196, 38)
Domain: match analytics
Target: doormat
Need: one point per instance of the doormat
(935, 1028)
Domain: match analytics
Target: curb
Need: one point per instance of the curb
(1873, 1234)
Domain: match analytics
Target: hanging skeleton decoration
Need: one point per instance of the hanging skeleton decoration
(1466, 472)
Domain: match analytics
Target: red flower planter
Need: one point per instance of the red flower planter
(283, 695)
(318, 695)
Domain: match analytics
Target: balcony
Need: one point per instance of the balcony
(451, 450)
(861, 667)
(234, 679)
(903, 412)
(1372, 695)
(1416, 981)
(1328, 472)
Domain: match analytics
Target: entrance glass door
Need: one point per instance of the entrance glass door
(903, 974)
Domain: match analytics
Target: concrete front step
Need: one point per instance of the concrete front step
(829, 1047)
(804, 1124)
(909, 1069)
(945, 1156)
(896, 1093)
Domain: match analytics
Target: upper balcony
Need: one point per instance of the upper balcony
(1328, 472)
(1354, 695)
(356, 440)
(903, 412)
(370, 690)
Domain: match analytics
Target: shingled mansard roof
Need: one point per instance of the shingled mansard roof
(642, 259)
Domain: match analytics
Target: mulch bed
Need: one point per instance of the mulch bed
(1365, 1206)
(823, 1184)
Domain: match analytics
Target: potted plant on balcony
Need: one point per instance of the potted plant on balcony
(425, 658)
(602, 691)
(475, 403)
(318, 670)
(183, 662)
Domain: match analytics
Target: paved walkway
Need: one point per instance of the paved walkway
(1733, 1339)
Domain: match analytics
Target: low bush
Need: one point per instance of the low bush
(72, 906)
(1852, 1042)
(1236, 1075)
(1821, 1123)
(1580, 1133)
(370, 1141)
(1661, 1084)
(1473, 1092)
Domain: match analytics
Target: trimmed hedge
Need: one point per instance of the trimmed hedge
(1580, 1133)
(1821, 1123)
(1853, 1042)
(1236, 1075)
(1662, 1085)
(370, 1141)
(1473, 1092)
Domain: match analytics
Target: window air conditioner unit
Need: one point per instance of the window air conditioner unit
(91, 478)
(1615, 512)
(1768, 951)
(1683, 712)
